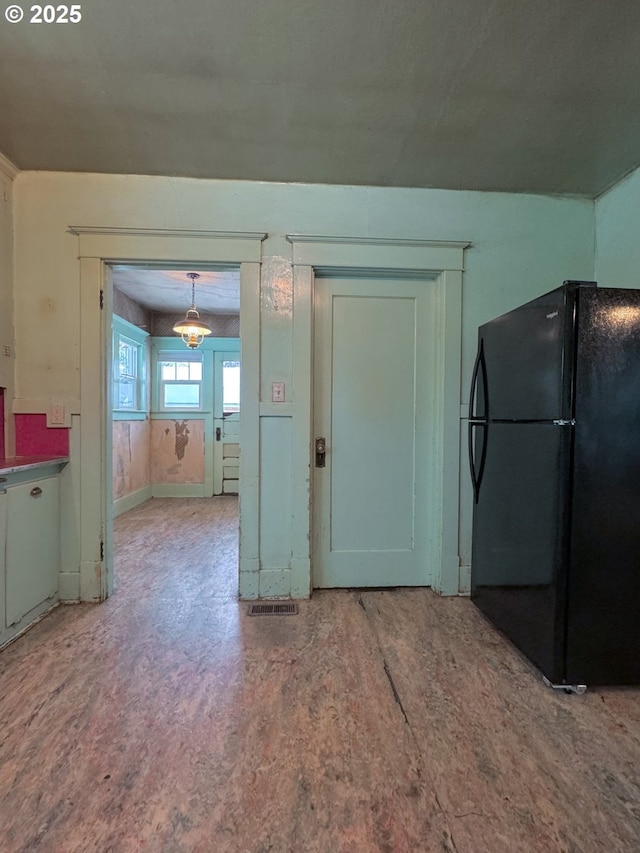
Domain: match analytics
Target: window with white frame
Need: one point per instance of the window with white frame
(129, 367)
(179, 380)
(127, 379)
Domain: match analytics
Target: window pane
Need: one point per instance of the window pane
(168, 370)
(196, 370)
(231, 386)
(182, 396)
(126, 391)
(128, 358)
(182, 370)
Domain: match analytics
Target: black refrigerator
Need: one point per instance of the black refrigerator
(554, 451)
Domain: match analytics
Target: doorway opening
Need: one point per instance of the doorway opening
(173, 428)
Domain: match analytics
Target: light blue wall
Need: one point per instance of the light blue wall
(617, 262)
(522, 246)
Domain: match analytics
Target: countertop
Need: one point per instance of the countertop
(24, 463)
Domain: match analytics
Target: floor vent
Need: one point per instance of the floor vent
(285, 609)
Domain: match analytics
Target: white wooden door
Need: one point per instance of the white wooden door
(226, 429)
(373, 391)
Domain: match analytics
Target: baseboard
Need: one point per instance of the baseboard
(275, 583)
(133, 499)
(178, 490)
(69, 587)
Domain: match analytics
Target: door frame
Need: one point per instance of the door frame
(98, 249)
(442, 263)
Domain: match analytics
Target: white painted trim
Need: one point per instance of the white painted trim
(167, 232)
(130, 501)
(93, 585)
(376, 241)
(70, 512)
(250, 431)
(442, 261)
(43, 405)
(98, 248)
(39, 405)
(371, 253)
(450, 344)
(69, 587)
(7, 168)
(153, 245)
(302, 425)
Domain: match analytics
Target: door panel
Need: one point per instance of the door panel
(371, 393)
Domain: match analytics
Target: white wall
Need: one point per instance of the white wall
(617, 262)
(522, 246)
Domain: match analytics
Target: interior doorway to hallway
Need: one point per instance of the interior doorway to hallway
(173, 413)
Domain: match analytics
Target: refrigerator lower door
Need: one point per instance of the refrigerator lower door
(520, 538)
(603, 610)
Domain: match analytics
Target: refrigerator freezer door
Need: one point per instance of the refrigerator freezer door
(527, 360)
(603, 615)
(520, 534)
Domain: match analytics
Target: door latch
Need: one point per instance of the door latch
(321, 452)
(218, 433)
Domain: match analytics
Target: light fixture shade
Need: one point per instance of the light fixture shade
(192, 329)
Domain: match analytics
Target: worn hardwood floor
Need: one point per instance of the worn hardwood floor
(168, 720)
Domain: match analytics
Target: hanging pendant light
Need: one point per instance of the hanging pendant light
(192, 330)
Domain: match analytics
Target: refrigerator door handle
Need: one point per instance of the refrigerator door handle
(476, 476)
(480, 364)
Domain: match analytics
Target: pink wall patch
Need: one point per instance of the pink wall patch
(35, 438)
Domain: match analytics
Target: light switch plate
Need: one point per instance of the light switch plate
(277, 392)
(57, 412)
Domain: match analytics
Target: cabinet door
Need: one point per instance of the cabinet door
(33, 546)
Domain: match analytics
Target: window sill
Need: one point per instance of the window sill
(129, 415)
(180, 413)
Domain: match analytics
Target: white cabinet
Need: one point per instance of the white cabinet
(30, 553)
(32, 546)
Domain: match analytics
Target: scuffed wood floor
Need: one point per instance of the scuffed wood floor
(168, 720)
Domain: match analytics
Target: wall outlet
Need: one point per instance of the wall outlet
(277, 392)
(57, 412)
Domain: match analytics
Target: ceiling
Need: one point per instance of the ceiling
(169, 291)
(513, 95)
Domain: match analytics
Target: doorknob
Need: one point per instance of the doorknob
(321, 452)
